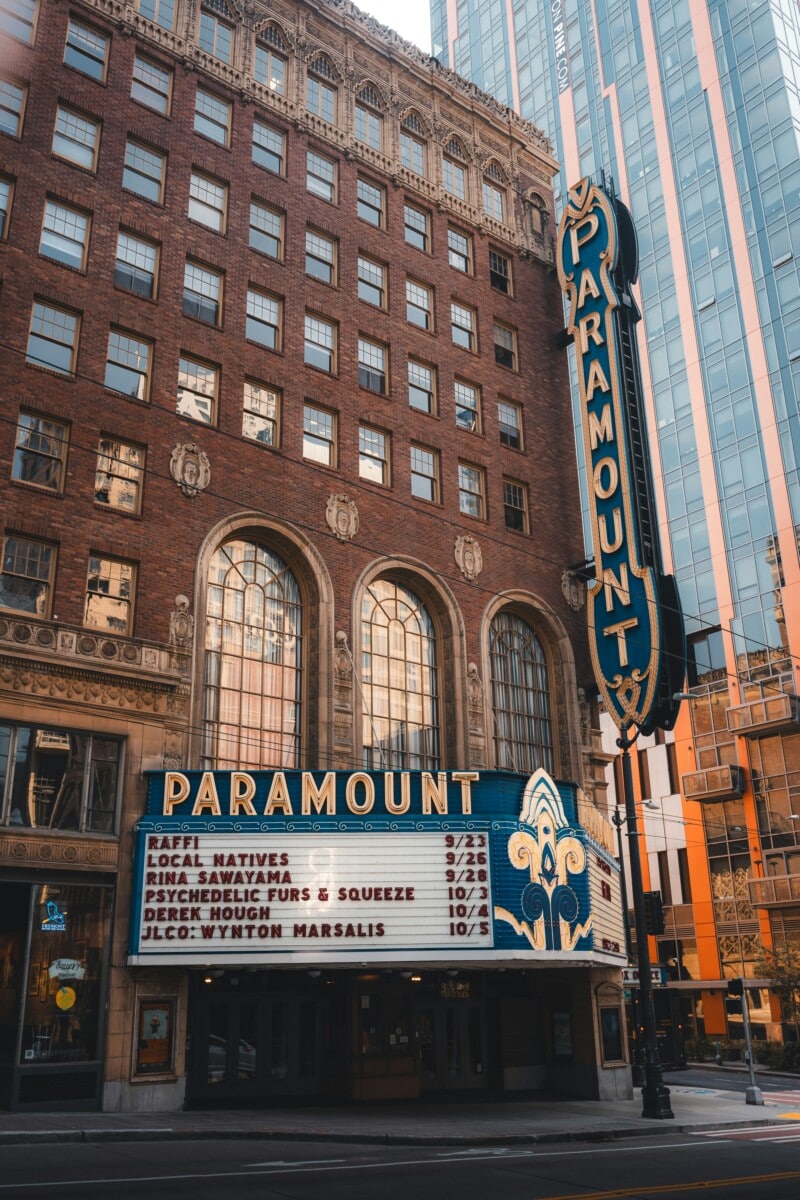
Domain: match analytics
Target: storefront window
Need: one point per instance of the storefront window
(69, 930)
(54, 779)
(611, 1029)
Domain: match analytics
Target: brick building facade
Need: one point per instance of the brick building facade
(279, 350)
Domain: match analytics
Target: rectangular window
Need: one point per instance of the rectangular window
(128, 364)
(416, 227)
(321, 99)
(684, 874)
(320, 256)
(6, 191)
(65, 234)
(208, 201)
(468, 406)
(672, 769)
(505, 346)
(373, 455)
(53, 338)
(266, 229)
(26, 580)
(515, 505)
(319, 344)
(372, 366)
(412, 153)
(160, 11)
(664, 883)
(144, 171)
(86, 50)
(109, 594)
(509, 420)
(494, 201)
(454, 178)
(643, 765)
(136, 265)
(197, 390)
(421, 386)
(462, 326)
(202, 293)
(12, 106)
(212, 117)
(371, 282)
(500, 272)
(320, 176)
(260, 413)
(471, 491)
(215, 37)
(319, 435)
(270, 69)
(76, 137)
(263, 323)
(269, 147)
(368, 127)
(40, 453)
(18, 17)
(424, 474)
(151, 84)
(371, 203)
(459, 250)
(119, 475)
(64, 780)
(419, 305)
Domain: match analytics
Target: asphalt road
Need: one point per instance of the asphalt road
(750, 1165)
(731, 1081)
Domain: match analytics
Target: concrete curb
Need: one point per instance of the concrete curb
(552, 1137)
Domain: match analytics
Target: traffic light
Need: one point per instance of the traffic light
(735, 997)
(653, 912)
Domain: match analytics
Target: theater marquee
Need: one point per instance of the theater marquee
(300, 867)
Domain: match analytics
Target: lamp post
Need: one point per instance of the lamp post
(636, 1067)
(655, 1095)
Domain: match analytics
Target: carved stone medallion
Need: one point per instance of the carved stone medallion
(190, 468)
(181, 624)
(468, 557)
(574, 590)
(341, 514)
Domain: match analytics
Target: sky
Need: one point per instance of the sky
(411, 18)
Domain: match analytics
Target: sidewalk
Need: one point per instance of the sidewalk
(503, 1122)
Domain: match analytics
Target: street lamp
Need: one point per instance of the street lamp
(655, 1094)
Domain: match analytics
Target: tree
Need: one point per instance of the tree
(781, 966)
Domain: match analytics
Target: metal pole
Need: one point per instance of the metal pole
(637, 1071)
(655, 1095)
(753, 1094)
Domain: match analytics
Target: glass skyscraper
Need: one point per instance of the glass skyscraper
(691, 110)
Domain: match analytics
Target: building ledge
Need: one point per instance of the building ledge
(775, 891)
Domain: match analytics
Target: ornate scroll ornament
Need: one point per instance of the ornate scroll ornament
(181, 624)
(468, 556)
(341, 514)
(573, 590)
(190, 468)
(549, 851)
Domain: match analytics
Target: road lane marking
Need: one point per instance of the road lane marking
(662, 1188)
(387, 1166)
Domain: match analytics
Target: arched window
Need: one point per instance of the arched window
(270, 62)
(494, 192)
(523, 724)
(252, 676)
(320, 89)
(413, 147)
(368, 117)
(454, 172)
(399, 680)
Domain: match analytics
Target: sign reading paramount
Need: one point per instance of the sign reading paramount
(635, 623)
(326, 867)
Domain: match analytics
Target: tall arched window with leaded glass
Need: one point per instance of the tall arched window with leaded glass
(252, 669)
(521, 703)
(399, 680)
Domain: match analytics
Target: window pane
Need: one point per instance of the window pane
(109, 595)
(64, 234)
(52, 339)
(151, 84)
(269, 147)
(40, 451)
(26, 576)
(119, 473)
(260, 414)
(135, 266)
(86, 50)
(143, 171)
(212, 117)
